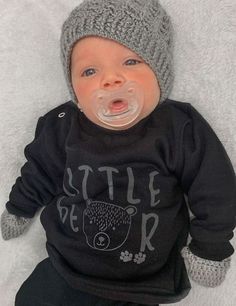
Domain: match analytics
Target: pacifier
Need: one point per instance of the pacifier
(118, 107)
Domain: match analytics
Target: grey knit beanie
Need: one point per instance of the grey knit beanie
(141, 25)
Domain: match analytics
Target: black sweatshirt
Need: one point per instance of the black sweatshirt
(116, 216)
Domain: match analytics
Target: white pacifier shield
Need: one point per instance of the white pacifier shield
(118, 107)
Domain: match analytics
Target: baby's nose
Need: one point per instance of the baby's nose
(112, 81)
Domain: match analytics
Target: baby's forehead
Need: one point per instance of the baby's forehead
(91, 45)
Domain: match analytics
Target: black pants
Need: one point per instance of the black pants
(45, 287)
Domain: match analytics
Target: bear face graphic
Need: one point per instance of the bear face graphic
(106, 226)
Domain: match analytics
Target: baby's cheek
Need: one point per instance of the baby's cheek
(152, 97)
(80, 90)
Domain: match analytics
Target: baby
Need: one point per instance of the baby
(114, 167)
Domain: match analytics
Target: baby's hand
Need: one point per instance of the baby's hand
(205, 272)
(13, 226)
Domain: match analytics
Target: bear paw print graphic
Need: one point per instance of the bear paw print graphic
(126, 256)
(139, 258)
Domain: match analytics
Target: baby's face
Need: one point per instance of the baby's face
(99, 63)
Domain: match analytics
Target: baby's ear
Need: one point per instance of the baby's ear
(131, 210)
(79, 107)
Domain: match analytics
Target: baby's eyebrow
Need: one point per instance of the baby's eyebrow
(80, 59)
(134, 55)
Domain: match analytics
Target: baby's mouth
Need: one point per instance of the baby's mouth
(118, 107)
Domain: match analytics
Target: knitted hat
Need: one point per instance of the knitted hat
(142, 26)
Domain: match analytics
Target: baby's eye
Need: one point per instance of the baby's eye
(132, 62)
(88, 72)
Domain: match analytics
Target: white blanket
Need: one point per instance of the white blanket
(32, 82)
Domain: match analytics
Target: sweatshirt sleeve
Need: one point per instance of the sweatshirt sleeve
(208, 179)
(41, 175)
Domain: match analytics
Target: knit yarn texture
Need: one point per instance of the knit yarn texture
(208, 273)
(142, 26)
(13, 226)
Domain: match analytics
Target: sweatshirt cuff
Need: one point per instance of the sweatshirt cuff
(211, 251)
(12, 209)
